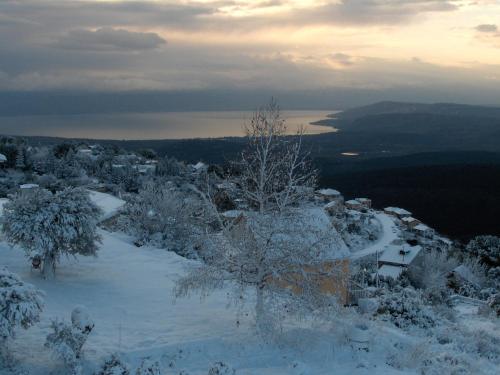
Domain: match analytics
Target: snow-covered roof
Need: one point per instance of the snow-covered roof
(353, 202)
(402, 255)
(363, 200)
(409, 219)
(3, 158)
(388, 270)
(422, 228)
(331, 204)
(308, 227)
(397, 211)
(28, 186)
(199, 166)
(329, 192)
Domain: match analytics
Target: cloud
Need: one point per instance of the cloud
(110, 39)
(487, 28)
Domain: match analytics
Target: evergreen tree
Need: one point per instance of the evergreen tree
(48, 225)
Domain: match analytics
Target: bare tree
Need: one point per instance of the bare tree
(281, 257)
(275, 172)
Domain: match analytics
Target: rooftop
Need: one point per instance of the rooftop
(329, 192)
(400, 255)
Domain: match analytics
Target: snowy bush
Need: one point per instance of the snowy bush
(432, 270)
(405, 307)
(20, 304)
(50, 225)
(494, 303)
(149, 367)
(487, 249)
(221, 368)
(114, 366)
(163, 215)
(67, 340)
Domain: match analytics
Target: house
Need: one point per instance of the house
(410, 222)
(354, 204)
(333, 208)
(423, 231)
(365, 202)
(400, 213)
(28, 188)
(396, 258)
(330, 271)
(329, 195)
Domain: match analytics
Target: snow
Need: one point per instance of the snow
(390, 271)
(389, 234)
(127, 291)
(400, 212)
(403, 255)
(108, 203)
(28, 186)
(329, 192)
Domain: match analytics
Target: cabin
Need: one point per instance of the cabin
(365, 202)
(354, 204)
(28, 188)
(410, 222)
(400, 213)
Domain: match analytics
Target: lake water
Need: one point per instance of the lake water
(165, 125)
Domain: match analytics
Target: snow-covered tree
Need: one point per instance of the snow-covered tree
(487, 249)
(149, 367)
(20, 158)
(221, 368)
(161, 213)
(20, 305)
(114, 366)
(282, 258)
(49, 225)
(67, 339)
(274, 171)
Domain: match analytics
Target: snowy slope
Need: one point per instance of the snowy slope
(128, 292)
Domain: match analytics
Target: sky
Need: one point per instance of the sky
(413, 46)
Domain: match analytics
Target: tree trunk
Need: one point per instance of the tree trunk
(49, 265)
(259, 308)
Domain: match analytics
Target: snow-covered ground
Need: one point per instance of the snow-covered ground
(128, 291)
(108, 203)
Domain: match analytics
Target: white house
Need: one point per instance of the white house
(329, 195)
(354, 204)
(397, 258)
(365, 202)
(397, 212)
(410, 222)
(423, 231)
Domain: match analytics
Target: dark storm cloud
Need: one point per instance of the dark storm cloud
(487, 28)
(109, 39)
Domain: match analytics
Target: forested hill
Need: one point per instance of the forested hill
(387, 108)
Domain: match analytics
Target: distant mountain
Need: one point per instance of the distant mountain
(386, 108)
